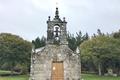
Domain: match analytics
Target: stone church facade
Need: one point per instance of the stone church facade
(55, 61)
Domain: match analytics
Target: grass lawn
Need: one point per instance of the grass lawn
(84, 77)
(21, 77)
(4, 72)
(96, 77)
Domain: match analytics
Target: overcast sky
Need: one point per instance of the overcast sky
(27, 18)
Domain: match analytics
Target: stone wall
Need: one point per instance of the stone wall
(41, 63)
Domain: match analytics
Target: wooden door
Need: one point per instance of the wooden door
(57, 70)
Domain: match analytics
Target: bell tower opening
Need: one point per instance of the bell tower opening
(56, 30)
(57, 33)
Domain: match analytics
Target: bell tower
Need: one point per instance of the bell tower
(55, 61)
(56, 30)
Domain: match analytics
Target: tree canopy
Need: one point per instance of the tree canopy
(39, 42)
(101, 49)
(75, 41)
(14, 51)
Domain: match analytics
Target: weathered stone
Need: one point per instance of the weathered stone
(43, 62)
(42, 59)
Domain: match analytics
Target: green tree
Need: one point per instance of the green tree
(71, 42)
(39, 42)
(116, 35)
(100, 48)
(75, 41)
(14, 50)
